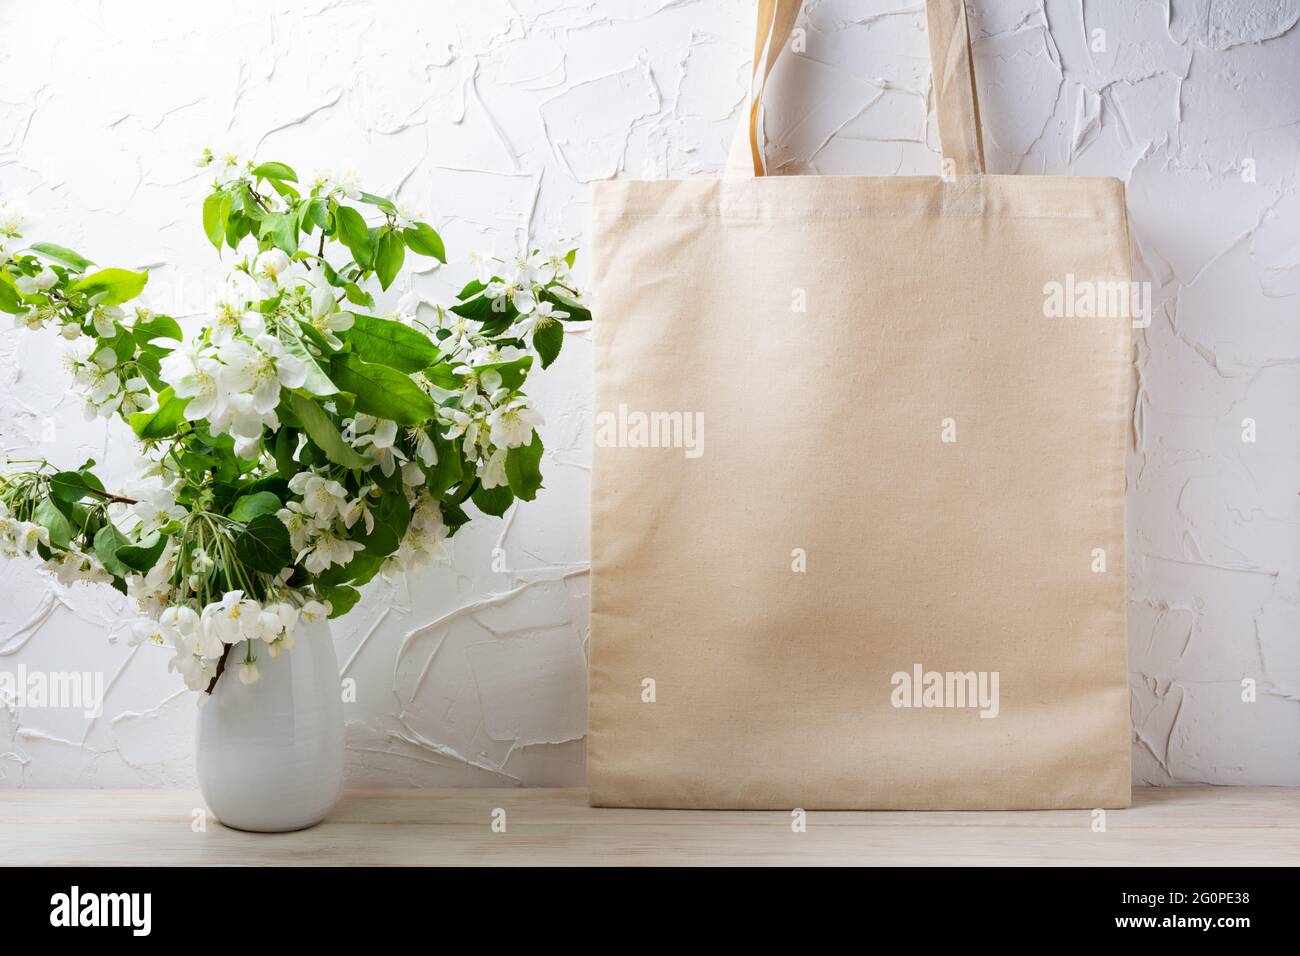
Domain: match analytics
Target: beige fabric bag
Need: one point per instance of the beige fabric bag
(869, 554)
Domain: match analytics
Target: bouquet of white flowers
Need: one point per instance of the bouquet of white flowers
(299, 445)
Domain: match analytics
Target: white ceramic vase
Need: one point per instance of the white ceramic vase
(270, 754)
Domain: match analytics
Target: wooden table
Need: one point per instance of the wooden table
(1217, 826)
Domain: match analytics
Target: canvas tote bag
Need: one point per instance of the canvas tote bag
(858, 502)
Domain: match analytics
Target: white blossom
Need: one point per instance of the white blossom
(313, 611)
(324, 316)
(104, 319)
(301, 523)
(194, 375)
(232, 619)
(323, 498)
(425, 449)
(380, 443)
(261, 368)
(328, 549)
(151, 631)
(248, 672)
(155, 508)
(12, 219)
(359, 509)
(492, 470)
(42, 281)
(35, 317)
(512, 424)
(551, 263)
(230, 167)
(230, 310)
(275, 620)
(72, 566)
(196, 669)
(425, 538)
(493, 354)
(271, 264)
(407, 307)
(240, 417)
(28, 535)
(544, 314)
(516, 288)
(345, 184)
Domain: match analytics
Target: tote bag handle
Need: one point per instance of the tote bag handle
(950, 63)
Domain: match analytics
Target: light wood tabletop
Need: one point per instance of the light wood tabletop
(1217, 826)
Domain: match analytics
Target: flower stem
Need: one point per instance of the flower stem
(109, 496)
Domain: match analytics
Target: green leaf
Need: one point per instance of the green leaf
(392, 253)
(108, 541)
(157, 327)
(359, 570)
(310, 334)
(316, 422)
(496, 314)
(122, 343)
(48, 516)
(277, 171)
(382, 391)
(238, 226)
(282, 229)
(248, 507)
(566, 303)
(165, 420)
(523, 468)
(385, 204)
(442, 376)
(216, 217)
(288, 192)
(263, 545)
(81, 520)
(424, 241)
(68, 486)
(512, 373)
(479, 309)
(141, 557)
(317, 213)
(493, 501)
(62, 255)
(390, 343)
(88, 476)
(342, 599)
(453, 516)
(449, 469)
(286, 443)
(353, 232)
(393, 509)
(115, 285)
(357, 295)
(317, 382)
(548, 338)
(150, 366)
(273, 483)
(383, 539)
(9, 299)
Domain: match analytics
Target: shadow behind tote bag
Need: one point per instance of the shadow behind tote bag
(858, 499)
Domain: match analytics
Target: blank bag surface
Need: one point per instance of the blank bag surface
(899, 466)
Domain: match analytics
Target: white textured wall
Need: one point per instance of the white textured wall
(493, 117)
